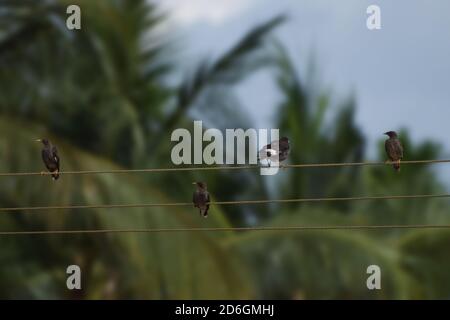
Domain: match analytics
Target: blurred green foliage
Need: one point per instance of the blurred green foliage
(102, 96)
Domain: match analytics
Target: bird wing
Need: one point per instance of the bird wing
(284, 146)
(394, 149)
(284, 155)
(195, 199)
(48, 160)
(200, 198)
(55, 156)
(284, 150)
(389, 149)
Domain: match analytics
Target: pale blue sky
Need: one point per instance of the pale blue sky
(400, 75)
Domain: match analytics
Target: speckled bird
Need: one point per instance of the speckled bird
(276, 151)
(394, 149)
(201, 198)
(50, 158)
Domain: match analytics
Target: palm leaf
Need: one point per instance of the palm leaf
(319, 264)
(229, 68)
(182, 265)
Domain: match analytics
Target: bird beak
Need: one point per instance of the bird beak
(194, 182)
(38, 140)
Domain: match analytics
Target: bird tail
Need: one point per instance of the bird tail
(205, 210)
(397, 166)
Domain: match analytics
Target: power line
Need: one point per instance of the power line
(358, 164)
(240, 202)
(226, 167)
(226, 229)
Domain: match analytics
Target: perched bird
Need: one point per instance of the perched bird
(276, 151)
(394, 149)
(201, 198)
(50, 158)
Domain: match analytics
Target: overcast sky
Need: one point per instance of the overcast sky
(400, 75)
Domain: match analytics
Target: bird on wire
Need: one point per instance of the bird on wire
(50, 158)
(201, 198)
(276, 151)
(394, 149)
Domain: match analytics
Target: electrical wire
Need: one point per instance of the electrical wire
(226, 167)
(226, 229)
(241, 202)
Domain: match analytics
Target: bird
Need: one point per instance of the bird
(201, 198)
(276, 151)
(394, 149)
(50, 158)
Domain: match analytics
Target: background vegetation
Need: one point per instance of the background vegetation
(102, 95)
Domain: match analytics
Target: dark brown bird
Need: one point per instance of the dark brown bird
(50, 158)
(394, 149)
(201, 198)
(276, 151)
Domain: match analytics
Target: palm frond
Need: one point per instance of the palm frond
(232, 66)
(175, 266)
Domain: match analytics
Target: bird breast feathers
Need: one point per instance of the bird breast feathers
(201, 197)
(394, 149)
